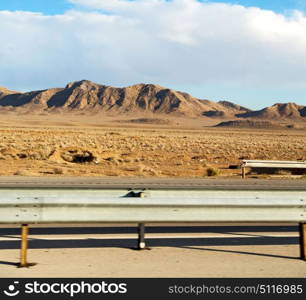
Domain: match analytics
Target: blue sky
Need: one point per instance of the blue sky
(60, 6)
(251, 57)
(47, 7)
(275, 5)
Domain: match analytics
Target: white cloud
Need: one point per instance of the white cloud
(177, 42)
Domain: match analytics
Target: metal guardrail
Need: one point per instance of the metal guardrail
(80, 205)
(279, 164)
(67, 206)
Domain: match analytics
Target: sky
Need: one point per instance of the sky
(249, 52)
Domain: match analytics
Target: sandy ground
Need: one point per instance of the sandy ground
(71, 148)
(258, 252)
(221, 261)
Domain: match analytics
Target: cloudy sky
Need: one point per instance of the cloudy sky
(249, 52)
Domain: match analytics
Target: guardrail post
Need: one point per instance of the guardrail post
(141, 236)
(24, 245)
(243, 172)
(302, 227)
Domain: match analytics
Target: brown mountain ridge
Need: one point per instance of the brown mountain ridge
(277, 111)
(140, 98)
(86, 96)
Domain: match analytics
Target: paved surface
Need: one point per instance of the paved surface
(213, 250)
(152, 183)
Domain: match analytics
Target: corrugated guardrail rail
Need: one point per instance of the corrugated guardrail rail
(271, 164)
(204, 201)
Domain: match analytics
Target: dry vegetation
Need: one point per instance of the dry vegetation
(142, 151)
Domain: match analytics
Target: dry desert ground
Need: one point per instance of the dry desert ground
(32, 146)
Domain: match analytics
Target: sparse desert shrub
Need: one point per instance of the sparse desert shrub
(112, 173)
(111, 158)
(213, 171)
(23, 173)
(22, 155)
(114, 133)
(137, 168)
(151, 171)
(59, 171)
(261, 176)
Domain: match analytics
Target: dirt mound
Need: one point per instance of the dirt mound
(249, 124)
(149, 121)
(73, 155)
(278, 111)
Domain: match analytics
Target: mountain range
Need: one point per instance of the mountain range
(86, 96)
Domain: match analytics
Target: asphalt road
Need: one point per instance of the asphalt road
(152, 183)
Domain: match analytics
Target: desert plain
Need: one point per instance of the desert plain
(74, 145)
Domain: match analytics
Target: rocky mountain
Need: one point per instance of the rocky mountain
(89, 97)
(277, 111)
(234, 106)
(4, 91)
(141, 98)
